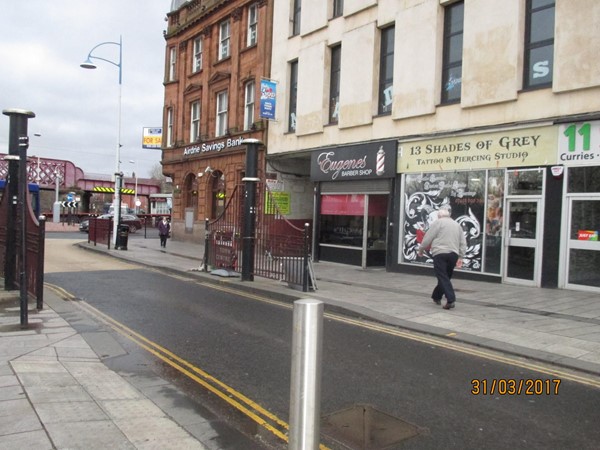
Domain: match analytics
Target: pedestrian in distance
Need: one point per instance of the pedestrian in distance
(164, 229)
(447, 244)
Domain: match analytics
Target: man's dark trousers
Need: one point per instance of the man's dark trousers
(443, 265)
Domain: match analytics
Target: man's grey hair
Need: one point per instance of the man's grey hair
(445, 211)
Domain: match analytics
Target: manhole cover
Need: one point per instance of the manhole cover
(366, 428)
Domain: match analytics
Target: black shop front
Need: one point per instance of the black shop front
(353, 191)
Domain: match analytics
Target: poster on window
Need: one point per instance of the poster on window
(425, 194)
(268, 91)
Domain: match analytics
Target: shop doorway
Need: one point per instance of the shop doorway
(522, 261)
(583, 247)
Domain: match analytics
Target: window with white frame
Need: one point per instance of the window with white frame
(172, 63)
(539, 43)
(194, 121)
(197, 63)
(170, 127)
(252, 24)
(249, 94)
(224, 38)
(221, 128)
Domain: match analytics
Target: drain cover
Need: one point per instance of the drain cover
(366, 428)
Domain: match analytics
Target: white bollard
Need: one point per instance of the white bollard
(305, 389)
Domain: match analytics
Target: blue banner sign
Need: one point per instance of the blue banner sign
(268, 90)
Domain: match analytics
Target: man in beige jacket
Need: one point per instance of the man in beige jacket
(448, 245)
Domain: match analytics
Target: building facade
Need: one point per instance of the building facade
(217, 52)
(492, 107)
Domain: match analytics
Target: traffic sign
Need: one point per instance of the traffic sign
(69, 204)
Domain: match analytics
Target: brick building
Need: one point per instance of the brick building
(217, 51)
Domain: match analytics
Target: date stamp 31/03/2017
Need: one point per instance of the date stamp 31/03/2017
(513, 386)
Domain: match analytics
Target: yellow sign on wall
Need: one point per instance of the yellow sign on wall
(281, 199)
(514, 148)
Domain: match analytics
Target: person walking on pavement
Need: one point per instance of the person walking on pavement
(448, 245)
(164, 229)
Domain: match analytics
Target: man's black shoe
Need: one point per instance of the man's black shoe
(437, 302)
(449, 305)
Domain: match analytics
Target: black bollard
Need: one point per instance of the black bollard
(250, 181)
(16, 189)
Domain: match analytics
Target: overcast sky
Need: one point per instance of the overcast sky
(44, 42)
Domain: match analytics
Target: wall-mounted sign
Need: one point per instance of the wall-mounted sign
(214, 146)
(268, 102)
(152, 137)
(579, 143)
(353, 162)
(514, 148)
(277, 202)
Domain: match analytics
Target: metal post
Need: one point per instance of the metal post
(305, 388)
(18, 145)
(56, 208)
(305, 261)
(250, 181)
(206, 243)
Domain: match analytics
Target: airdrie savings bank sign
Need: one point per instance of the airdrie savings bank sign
(215, 146)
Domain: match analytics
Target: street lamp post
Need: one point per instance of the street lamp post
(88, 64)
(136, 184)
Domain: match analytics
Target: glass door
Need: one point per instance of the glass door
(522, 260)
(583, 246)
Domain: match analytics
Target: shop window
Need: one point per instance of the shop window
(494, 221)
(426, 193)
(525, 182)
(583, 179)
(539, 43)
(386, 71)
(453, 53)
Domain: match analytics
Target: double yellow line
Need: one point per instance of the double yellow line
(234, 398)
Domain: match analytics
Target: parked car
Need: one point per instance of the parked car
(133, 222)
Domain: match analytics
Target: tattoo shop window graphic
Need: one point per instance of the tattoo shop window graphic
(426, 193)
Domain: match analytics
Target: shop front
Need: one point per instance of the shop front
(579, 156)
(353, 191)
(498, 187)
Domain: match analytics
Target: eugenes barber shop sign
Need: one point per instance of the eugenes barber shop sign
(354, 162)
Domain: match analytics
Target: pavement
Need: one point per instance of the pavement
(56, 391)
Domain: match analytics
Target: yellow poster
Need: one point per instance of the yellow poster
(281, 199)
(513, 148)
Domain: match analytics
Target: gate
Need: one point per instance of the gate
(281, 249)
